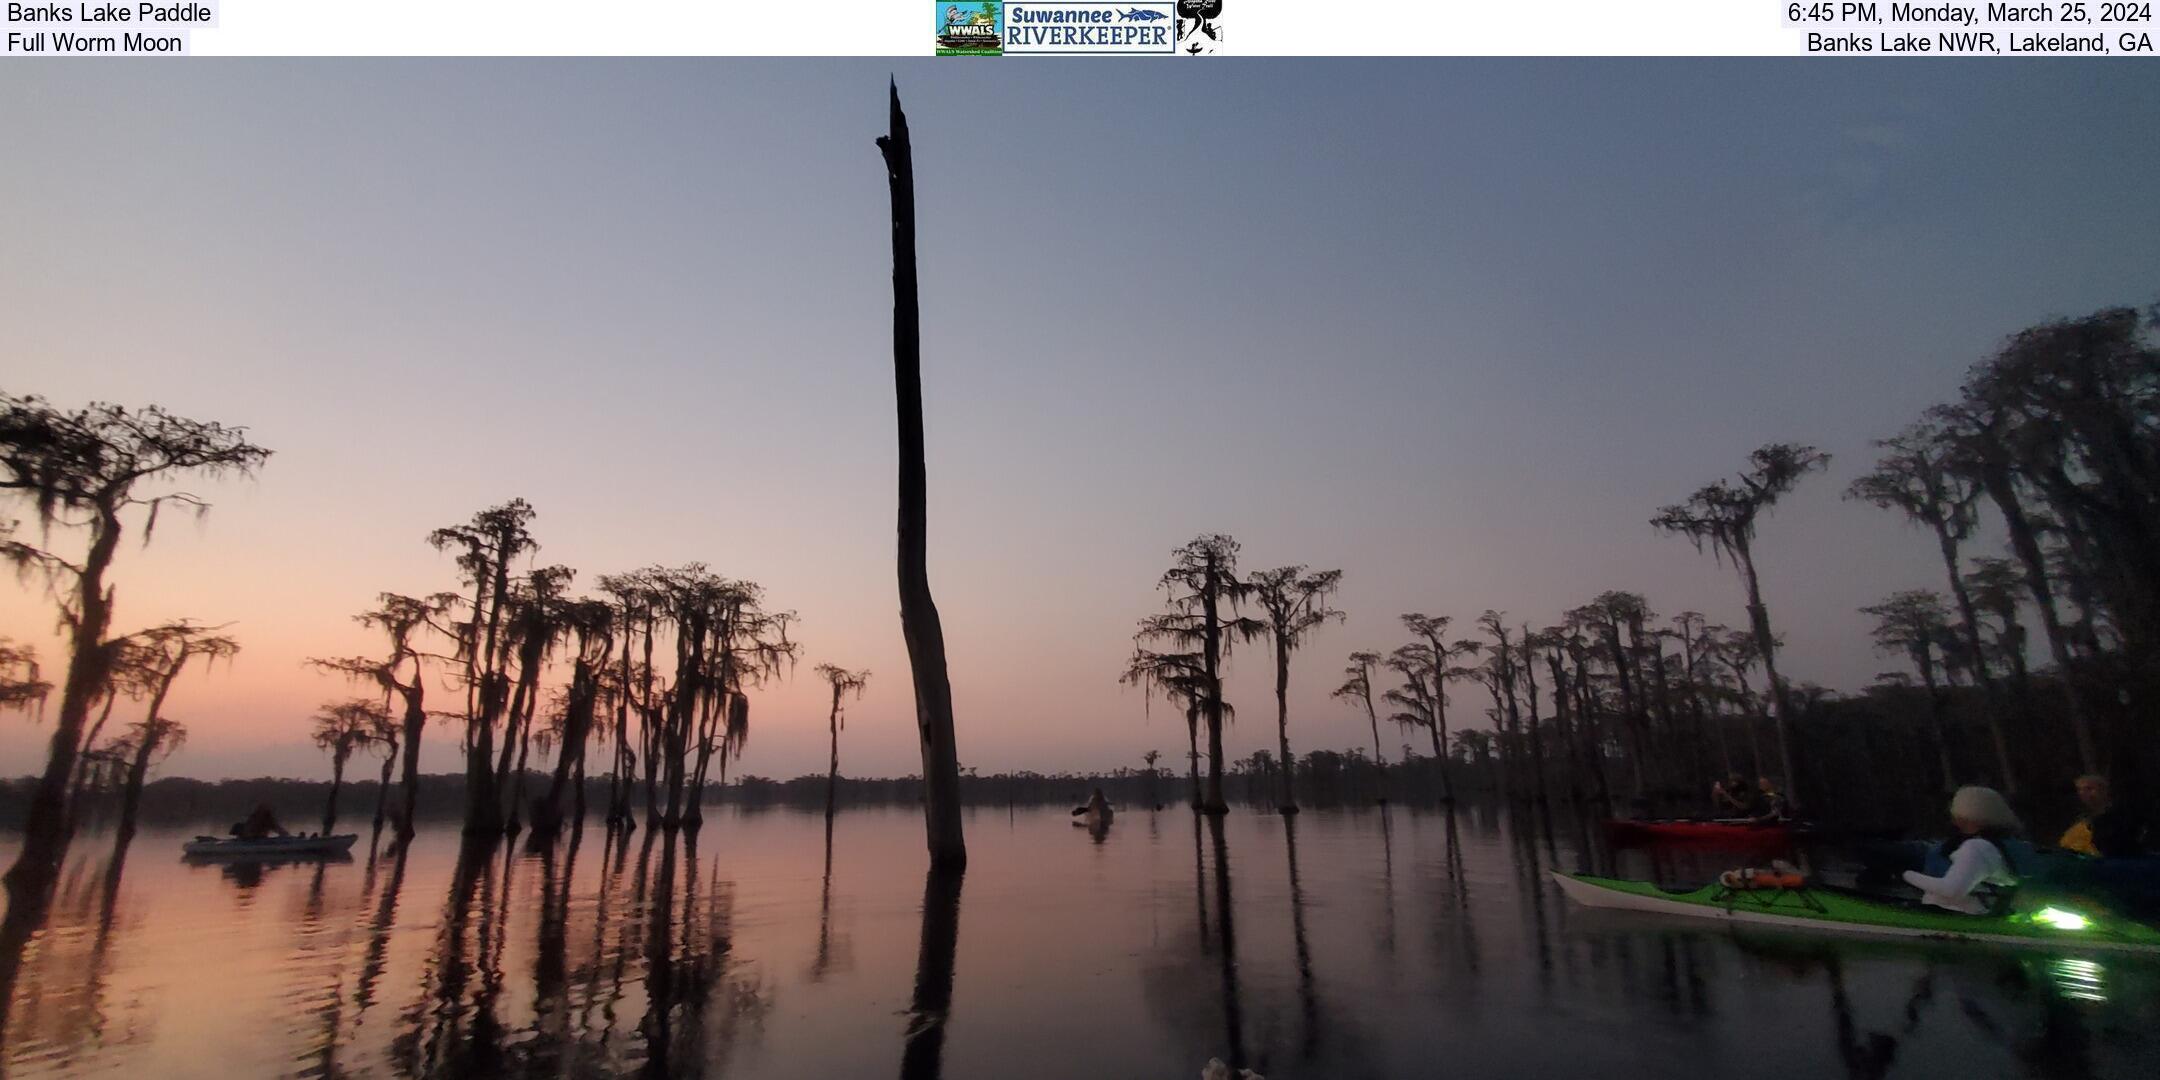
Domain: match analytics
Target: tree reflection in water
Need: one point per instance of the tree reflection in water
(1226, 947)
(554, 960)
(1308, 995)
(922, 1056)
(833, 954)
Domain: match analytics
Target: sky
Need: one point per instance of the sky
(1457, 328)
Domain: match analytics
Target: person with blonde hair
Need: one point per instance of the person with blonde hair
(1984, 822)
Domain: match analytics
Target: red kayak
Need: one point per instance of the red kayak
(1698, 831)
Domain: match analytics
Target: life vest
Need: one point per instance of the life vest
(1760, 878)
(2079, 838)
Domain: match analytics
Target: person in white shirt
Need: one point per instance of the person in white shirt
(1984, 820)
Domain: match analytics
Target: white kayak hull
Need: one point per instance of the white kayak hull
(275, 847)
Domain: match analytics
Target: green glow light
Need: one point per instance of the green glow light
(2060, 919)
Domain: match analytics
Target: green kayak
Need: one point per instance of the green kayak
(1836, 911)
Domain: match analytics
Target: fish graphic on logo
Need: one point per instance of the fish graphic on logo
(1137, 15)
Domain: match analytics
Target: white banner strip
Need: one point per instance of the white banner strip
(1158, 31)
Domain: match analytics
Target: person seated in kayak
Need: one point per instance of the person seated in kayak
(2105, 830)
(261, 823)
(1771, 808)
(1731, 797)
(1985, 823)
(1098, 807)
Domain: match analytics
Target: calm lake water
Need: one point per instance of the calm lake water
(1403, 943)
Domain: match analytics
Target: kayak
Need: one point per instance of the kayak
(1686, 830)
(269, 846)
(1836, 911)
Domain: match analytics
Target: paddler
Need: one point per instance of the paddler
(1771, 807)
(260, 822)
(2105, 830)
(1984, 823)
(1730, 797)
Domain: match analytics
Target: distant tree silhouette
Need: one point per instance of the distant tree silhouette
(1615, 621)
(401, 619)
(1418, 702)
(150, 661)
(591, 625)
(1501, 674)
(1721, 516)
(1205, 593)
(843, 683)
(919, 622)
(1915, 476)
(1913, 623)
(21, 686)
(1997, 588)
(635, 602)
(87, 471)
(536, 620)
(485, 548)
(1182, 678)
(1357, 688)
(1295, 601)
(341, 728)
(1432, 630)
(385, 740)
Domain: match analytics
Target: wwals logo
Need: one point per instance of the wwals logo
(969, 29)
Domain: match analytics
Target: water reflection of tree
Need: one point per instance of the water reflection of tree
(436, 1036)
(1308, 995)
(1458, 949)
(922, 1056)
(832, 954)
(63, 979)
(699, 1006)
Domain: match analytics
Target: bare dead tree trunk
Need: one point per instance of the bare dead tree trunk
(1192, 749)
(1286, 791)
(1991, 703)
(1759, 618)
(832, 770)
(919, 622)
(415, 720)
(382, 790)
(2001, 490)
(337, 784)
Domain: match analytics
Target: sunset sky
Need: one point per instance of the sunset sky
(1456, 328)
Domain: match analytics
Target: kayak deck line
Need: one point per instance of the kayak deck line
(1827, 910)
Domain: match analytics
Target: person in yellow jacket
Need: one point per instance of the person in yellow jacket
(2105, 830)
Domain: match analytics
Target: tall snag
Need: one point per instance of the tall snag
(918, 612)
